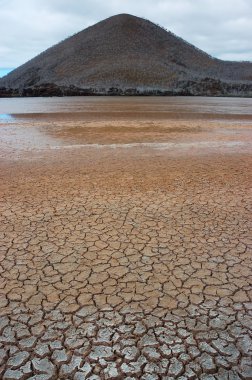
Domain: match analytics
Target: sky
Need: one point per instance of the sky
(222, 28)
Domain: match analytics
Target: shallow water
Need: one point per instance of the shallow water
(179, 124)
(167, 105)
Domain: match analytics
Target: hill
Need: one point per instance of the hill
(128, 55)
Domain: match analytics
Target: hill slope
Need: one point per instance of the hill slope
(125, 54)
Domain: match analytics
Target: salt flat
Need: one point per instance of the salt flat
(125, 238)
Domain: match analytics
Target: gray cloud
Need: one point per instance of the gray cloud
(223, 28)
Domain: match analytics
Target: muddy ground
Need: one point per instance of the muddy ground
(126, 243)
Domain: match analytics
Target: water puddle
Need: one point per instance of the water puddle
(161, 146)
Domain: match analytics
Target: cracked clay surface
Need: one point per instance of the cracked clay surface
(123, 263)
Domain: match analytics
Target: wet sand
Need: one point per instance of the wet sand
(125, 238)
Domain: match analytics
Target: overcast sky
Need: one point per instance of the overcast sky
(222, 28)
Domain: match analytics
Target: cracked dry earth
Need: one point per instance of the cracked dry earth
(123, 263)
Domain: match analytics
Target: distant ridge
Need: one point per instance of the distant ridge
(127, 55)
